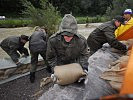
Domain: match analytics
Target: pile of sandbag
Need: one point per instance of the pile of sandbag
(115, 74)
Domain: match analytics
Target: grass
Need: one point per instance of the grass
(11, 23)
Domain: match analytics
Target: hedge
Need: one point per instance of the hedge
(11, 23)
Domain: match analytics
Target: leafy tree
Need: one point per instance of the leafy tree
(118, 7)
(95, 7)
(46, 15)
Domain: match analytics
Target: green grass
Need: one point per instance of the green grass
(11, 23)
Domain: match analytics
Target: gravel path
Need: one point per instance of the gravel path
(22, 89)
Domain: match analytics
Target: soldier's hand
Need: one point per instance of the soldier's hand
(19, 64)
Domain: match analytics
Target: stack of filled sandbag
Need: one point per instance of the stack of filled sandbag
(115, 74)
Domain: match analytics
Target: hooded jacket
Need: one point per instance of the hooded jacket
(37, 42)
(59, 52)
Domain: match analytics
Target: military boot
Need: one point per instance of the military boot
(32, 77)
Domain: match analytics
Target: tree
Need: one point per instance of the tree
(94, 7)
(118, 7)
(46, 15)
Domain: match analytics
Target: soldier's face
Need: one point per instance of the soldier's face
(117, 23)
(68, 38)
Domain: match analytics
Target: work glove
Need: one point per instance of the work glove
(86, 72)
(84, 79)
(54, 78)
(85, 68)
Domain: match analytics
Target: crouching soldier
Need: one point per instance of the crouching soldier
(105, 34)
(13, 44)
(67, 46)
(37, 45)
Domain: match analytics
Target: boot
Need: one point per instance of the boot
(32, 77)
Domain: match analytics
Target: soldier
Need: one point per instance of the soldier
(67, 46)
(37, 45)
(105, 34)
(13, 44)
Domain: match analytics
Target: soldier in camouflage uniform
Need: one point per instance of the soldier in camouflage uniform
(67, 46)
(13, 44)
(37, 45)
(105, 34)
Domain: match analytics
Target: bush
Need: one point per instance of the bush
(11, 23)
(46, 15)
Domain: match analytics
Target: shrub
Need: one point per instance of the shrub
(46, 15)
(11, 23)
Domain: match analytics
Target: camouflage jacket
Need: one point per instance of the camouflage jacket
(105, 34)
(60, 52)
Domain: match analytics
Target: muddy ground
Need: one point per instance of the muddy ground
(22, 89)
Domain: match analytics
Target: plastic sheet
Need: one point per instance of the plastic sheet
(95, 87)
(8, 63)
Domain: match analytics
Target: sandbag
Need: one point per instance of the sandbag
(115, 75)
(128, 43)
(67, 74)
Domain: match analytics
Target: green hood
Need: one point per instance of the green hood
(68, 24)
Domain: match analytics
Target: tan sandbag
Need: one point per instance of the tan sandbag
(45, 81)
(128, 43)
(115, 75)
(124, 61)
(129, 52)
(67, 74)
(121, 63)
(116, 85)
